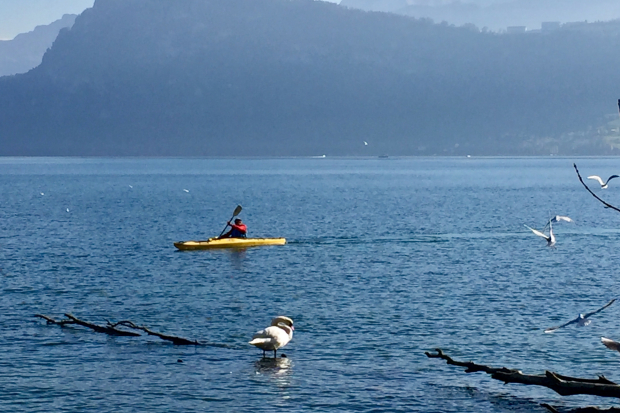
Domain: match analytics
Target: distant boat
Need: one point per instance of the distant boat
(383, 156)
(321, 156)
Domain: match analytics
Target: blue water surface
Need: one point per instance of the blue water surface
(386, 259)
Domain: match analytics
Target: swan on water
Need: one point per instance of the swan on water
(275, 336)
(600, 181)
(582, 319)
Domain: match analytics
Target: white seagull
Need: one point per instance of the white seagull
(277, 335)
(558, 218)
(582, 319)
(550, 238)
(186, 190)
(600, 181)
(365, 143)
(610, 344)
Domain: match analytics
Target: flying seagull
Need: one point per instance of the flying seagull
(582, 319)
(550, 238)
(610, 344)
(365, 143)
(558, 218)
(186, 190)
(600, 181)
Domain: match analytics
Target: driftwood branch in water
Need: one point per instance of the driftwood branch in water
(50, 320)
(113, 331)
(180, 341)
(102, 329)
(99, 329)
(592, 193)
(589, 409)
(563, 385)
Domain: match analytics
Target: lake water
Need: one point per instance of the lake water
(386, 259)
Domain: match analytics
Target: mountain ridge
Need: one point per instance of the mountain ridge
(25, 51)
(302, 78)
(498, 16)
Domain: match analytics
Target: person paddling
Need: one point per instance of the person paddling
(237, 230)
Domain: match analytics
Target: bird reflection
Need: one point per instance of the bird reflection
(278, 372)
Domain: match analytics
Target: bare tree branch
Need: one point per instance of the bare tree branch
(563, 385)
(99, 329)
(589, 409)
(50, 320)
(175, 340)
(593, 194)
(111, 329)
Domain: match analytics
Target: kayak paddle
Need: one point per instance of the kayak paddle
(235, 213)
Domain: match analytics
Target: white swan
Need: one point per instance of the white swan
(275, 336)
(600, 181)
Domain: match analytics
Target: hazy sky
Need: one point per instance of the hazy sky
(22, 16)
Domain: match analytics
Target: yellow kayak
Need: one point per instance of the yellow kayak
(228, 243)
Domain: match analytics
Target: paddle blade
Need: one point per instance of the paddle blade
(237, 211)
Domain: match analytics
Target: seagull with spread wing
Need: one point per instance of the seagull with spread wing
(610, 344)
(600, 181)
(558, 218)
(550, 238)
(582, 319)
